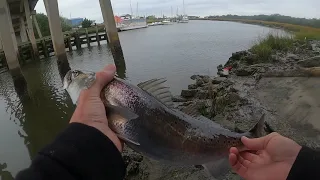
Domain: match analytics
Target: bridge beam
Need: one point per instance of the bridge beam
(37, 26)
(111, 28)
(23, 31)
(30, 30)
(0, 43)
(10, 46)
(57, 37)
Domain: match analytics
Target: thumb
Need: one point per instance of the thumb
(257, 143)
(253, 144)
(103, 78)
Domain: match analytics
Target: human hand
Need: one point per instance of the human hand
(90, 109)
(273, 157)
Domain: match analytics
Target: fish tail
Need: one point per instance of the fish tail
(259, 129)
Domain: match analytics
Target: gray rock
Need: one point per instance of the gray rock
(310, 62)
(206, 79)
(189, 93)
(292, 57)
(200, 82)
(202, 95)
(218, 80)
(192, 86)
(233, 97)
(179, 99)
(245, 71)
(194, 77)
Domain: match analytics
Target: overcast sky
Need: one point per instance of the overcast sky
(91, 9)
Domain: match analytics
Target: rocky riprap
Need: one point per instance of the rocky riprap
(232, 102)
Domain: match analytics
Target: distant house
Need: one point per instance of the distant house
(76, 22)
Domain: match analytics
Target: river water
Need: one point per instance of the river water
(174, 51)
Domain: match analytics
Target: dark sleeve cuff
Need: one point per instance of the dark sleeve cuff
(86, 153)
(306, 165)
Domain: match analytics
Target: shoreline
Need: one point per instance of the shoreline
(301, 32)
(284, 89)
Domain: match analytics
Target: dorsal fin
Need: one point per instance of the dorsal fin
(192, 110)
(156, 88)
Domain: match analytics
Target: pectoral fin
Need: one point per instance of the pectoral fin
(123, 112)
(128, 140)
(218, 168)
(124, 115)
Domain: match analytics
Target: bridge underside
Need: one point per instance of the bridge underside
(17, 10)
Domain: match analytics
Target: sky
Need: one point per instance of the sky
(91, 9)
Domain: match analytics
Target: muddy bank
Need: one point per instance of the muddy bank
(286, 89)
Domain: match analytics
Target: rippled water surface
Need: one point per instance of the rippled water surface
(175, 52)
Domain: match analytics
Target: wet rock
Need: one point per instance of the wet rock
(218, 80)
(310, 62)
(233, 97)
(189, 93)
(132, 163)
(245, 71)
(202, 95)
(194, 77)
(220, 67)
(293, 57)
(192, 86)
(200, 82)
(206, 79)
(179, 99)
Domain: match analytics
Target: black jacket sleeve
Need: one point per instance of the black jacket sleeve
(306, 166)
(80, 152)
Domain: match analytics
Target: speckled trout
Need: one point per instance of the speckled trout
(143, 117)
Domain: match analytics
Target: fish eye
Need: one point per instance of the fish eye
(75, 74)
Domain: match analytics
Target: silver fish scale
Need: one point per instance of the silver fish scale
(166, 134)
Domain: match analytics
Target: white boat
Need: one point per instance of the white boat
(184, 19)
(167, 22)
(129, 23)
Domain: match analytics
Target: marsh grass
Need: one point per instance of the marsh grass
(263, 48)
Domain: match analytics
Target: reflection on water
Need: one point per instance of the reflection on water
(175, 52)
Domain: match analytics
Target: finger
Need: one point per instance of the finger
(234, 150)
(103, 77)
(236, 165)
(257, 143)
(249, 156)
(243, 161)
(233, 159)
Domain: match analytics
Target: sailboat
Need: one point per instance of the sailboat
(130, 22)
(184, 18)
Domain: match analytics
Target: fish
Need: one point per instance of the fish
(143, 117)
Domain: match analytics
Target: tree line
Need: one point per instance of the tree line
(275, 18)
(65, 24)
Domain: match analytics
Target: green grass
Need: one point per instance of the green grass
(300, 32)
(265, 47)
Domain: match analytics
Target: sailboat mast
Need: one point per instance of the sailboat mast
(184, 11)
(131, 9)
(137, 9)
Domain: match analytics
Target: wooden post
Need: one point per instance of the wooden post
(97, 36)
(88, 39)
(77, 40)
(57, 36)
(45, 48)
(30, 31)
(37, 26)
(111, 29)
(69, 43)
